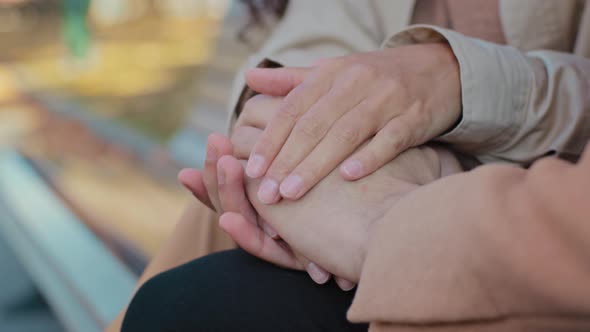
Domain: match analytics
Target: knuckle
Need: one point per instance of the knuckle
(348, 134)
(264, 146)
(363, 70)
(310, 129)
(369, 159)
(397, 137)
(391, 85)
(343, 87)
(398, 142)
(288, 110)
(331, 63)
(397, 130)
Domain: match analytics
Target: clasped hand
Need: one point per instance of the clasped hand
(398, 98)
(330, 225)
(365, 109)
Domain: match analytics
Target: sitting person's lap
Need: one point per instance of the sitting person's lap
(233, 291)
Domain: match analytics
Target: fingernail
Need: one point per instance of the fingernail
(292, 186)
(269, 230)
(318, 274)
(352, 168)
(212, 153)
(255, 169)
(344, 284)
(268, 191)
(220, 176)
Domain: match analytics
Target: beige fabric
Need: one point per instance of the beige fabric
(532, 101)
(435, 12)
(499, 248)
(474, 18)
(309, 32)
(521, 92)
(506, 250)
(529, 104)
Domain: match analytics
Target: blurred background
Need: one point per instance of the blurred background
(101, 103)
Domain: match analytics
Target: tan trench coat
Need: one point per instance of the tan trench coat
(509, 249)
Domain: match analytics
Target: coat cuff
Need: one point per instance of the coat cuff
(496, 82)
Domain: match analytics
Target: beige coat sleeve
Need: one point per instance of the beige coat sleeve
(517, 106)
(310, 31)
(499, 248)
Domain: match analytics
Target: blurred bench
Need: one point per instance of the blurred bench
(81, 279)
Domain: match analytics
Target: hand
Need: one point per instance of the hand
(232, 198)
(220, 185)
(403, 96)
(252, 120)
(332, 223)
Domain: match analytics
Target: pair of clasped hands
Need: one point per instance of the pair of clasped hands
(317, 157)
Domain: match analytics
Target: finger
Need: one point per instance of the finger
(312, 128)
(243, 140)
(275, 81)
(344, 284)
(258, 110)
(253, 240)
(217, 146)
(342, 139)
(269, 230)
(282, 122)
(232, 195)
(317, 273)
(391, 140)
(192, 180)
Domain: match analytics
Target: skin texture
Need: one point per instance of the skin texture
(403, 97)
(205, 185)
(331, 224)
(221, 187)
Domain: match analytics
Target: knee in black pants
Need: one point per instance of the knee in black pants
(233, 291)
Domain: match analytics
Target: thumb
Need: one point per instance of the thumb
(275, 81)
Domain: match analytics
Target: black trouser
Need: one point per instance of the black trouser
(233, 291)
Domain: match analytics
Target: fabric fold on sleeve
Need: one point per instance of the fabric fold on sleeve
(516, 107)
